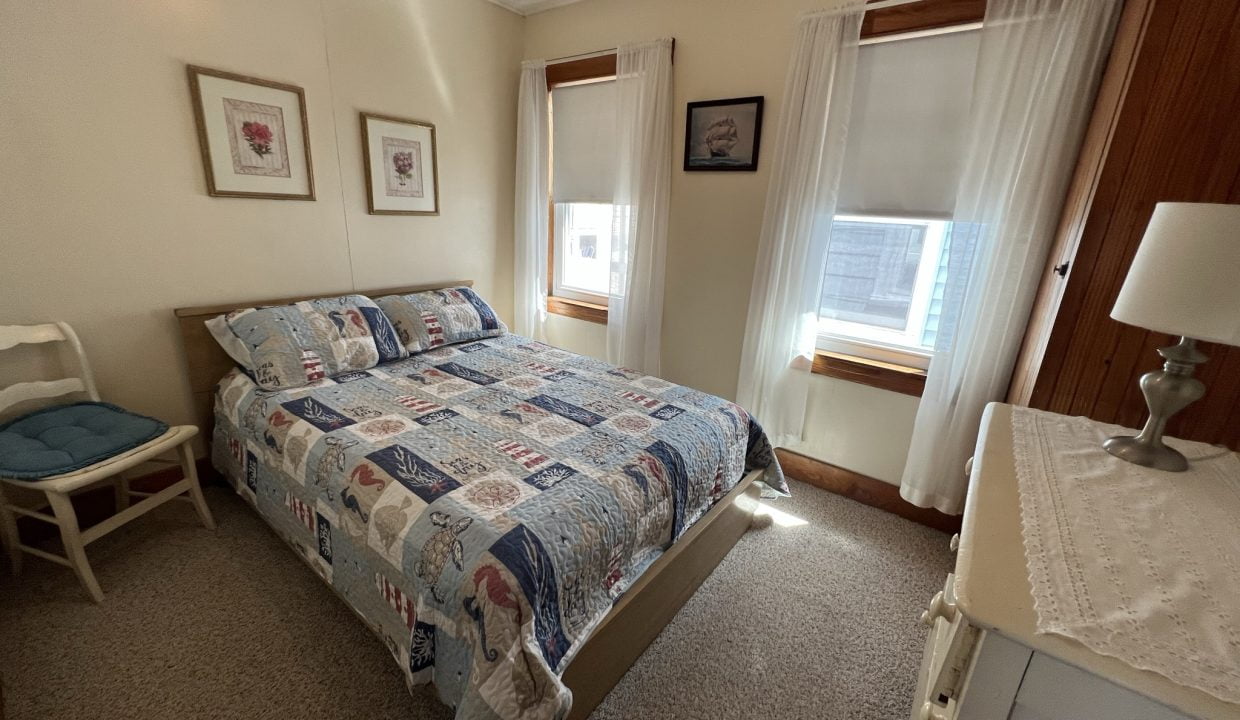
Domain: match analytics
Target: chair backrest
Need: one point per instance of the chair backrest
(14, 335)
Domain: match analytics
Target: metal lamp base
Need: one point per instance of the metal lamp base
(1166, 391)
(1139, 452)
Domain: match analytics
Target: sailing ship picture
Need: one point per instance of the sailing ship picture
(723, 134)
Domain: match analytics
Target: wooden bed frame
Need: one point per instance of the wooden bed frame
(640, 614)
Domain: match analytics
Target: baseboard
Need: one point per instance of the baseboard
(99, 503)
(862, 488)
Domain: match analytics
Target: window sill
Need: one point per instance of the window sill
(882, 375)
(577, 309)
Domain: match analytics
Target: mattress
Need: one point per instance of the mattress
(482, 506)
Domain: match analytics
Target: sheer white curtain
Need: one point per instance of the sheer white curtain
(782, 324)
(1037, 73)
(530, 221)
(639, 221)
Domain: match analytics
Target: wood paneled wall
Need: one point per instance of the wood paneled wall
(1173, 135)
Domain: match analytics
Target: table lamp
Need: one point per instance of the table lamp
(1184, 280)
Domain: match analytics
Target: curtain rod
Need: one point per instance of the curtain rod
(578, 56)
(612, 51)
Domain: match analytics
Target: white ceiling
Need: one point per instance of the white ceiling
(529, 7)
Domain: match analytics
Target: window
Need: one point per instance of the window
(884, 280)
(582, 182)
(582, 251)
(882, 288)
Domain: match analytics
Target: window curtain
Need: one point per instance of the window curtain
(531, 217)
(1037, 73)
(782, 323)
(639, 223)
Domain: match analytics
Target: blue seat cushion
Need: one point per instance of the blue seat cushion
(64, 438)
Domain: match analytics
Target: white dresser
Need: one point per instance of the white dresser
(984, 659)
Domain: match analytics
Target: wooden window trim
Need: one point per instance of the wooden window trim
(572, 71)
(588, 68)
(862, 488)
(923, 15)
(875, 373)
(577, 309)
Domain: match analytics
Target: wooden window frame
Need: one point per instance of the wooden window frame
(596, 67)
(920, 16)
(874, 373)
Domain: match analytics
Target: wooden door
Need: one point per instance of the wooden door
(1167, 127)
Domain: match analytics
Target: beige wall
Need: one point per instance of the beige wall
(104, 217)
(105, 221)
(724, 48)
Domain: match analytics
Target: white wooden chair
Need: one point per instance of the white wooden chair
(59, 488)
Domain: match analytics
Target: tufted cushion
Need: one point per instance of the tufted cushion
(65, 438)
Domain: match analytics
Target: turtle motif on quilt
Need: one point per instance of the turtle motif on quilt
(333, 457)
(442, 545)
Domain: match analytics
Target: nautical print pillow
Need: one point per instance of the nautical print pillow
(426, 320)
(292, 345)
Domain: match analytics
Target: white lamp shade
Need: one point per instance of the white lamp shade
(1185, 278)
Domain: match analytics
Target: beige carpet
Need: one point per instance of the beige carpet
(815, 620)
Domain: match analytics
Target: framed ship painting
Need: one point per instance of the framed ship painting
(400, 163)
(723, 134)
(253, 135)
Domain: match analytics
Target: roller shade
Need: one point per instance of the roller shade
(907, 132)
(583, 121)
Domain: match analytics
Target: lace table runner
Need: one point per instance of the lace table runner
(1138, 564)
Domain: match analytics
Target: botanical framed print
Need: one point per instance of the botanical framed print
(399, 156)
(723, 134)
(253, 136)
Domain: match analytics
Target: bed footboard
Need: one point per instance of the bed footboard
(651, 603)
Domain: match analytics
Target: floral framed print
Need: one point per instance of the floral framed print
(253, 135)
(723, 134)
(402, 175)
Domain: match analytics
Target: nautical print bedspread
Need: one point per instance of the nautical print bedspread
(482, 506)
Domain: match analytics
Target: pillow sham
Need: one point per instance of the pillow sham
(426, 320)
(291, 345)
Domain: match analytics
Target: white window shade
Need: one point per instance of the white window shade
(908, 127)
(583, 121)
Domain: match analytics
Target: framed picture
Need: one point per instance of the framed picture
(723, 134)
(253, 135)
(402, 177)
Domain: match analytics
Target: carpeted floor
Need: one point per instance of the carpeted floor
(814, 616)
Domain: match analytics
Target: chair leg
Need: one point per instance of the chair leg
(121, 484)
(71, 536)
(10, 536)
(195, 490)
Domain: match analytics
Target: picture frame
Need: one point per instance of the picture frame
(400, 160)
(723, 135)
(253, 135)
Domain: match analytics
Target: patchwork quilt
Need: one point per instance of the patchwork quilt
(482, 506)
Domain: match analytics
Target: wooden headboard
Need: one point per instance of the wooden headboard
(206, 362)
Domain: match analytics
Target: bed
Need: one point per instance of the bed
(514, 521)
